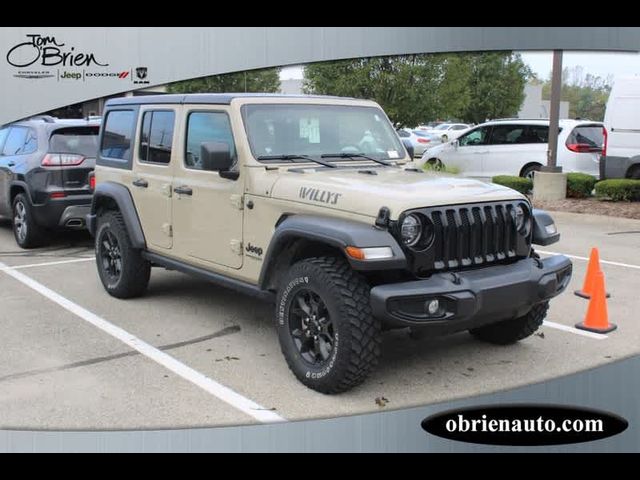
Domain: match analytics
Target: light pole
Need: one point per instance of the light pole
(550, 184)
(554, 114)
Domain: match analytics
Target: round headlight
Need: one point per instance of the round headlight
(522, 216)
(410, 230)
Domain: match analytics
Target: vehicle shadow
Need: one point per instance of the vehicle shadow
(55, 241)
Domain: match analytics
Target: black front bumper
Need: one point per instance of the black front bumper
(472, 298)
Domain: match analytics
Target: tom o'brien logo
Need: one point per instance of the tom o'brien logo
(45, 56)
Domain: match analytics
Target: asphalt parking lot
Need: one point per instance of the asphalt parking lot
(193, 354)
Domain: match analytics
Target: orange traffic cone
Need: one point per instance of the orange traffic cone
(589, 280)
(597, 318)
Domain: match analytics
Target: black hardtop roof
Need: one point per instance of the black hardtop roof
(48, 123)
(204, 98)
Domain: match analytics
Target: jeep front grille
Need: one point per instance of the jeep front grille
(470, 235)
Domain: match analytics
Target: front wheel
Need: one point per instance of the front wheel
(327, 333)
(515, 329)
(122, 269)
(435, 164)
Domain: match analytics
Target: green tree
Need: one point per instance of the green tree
(266, 80)
(587, 94)
(497, 81)
(418, 88)
(411, 88)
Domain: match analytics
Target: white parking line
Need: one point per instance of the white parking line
(606, 262)
(45, 264)
(584, 333)
(216, 389)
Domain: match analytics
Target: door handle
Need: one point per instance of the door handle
(184, 190)
(11, 164)
(140, 183)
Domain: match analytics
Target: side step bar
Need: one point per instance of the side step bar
(233, 284)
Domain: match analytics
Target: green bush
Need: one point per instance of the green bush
(522, 185)
(619, 190)
(580, 185)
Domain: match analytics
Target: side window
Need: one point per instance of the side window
(116, 139)
(403, 134)
(508, 135)
(30, 143)
(3, 136)
(204, 127)
(20, 141)
(156, 137)
(474, 137)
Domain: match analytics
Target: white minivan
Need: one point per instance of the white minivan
(519, 147)
(622, 119)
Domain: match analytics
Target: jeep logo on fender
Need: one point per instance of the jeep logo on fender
(317, 195)
(253, 249)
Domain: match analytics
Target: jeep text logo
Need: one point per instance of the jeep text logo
(317, 195)
(253, 249)
(47, 51)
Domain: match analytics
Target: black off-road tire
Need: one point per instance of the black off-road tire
(135, 271)
(515, 329)
(27, 232)
(346, 296)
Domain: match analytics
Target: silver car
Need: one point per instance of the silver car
(419, 139)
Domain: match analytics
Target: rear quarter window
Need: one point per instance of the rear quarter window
(117, 135)
(589, 135)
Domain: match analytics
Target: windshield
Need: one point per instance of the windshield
(314, 130)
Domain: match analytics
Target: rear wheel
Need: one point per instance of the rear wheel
(528, 171)
(634, 172)
(122, 269)
(27, 233)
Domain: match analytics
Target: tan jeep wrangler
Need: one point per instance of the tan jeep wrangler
(313, 203)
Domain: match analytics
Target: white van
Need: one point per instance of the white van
(519, 147)
(622, 121)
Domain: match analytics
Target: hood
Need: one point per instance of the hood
(350, 190)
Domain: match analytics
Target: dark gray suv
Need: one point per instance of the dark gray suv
(45, 166)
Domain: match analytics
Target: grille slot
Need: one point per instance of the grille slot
(470, 235)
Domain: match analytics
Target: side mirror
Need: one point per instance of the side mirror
(455, 143)
(409, 146)
(215, 156)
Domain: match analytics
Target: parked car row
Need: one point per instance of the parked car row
(519, 147)
(45, 166)
(446, 131)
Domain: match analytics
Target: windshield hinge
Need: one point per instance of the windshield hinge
(237, 201)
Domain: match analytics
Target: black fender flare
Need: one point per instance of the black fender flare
(121, 196)
(22, 186)
(334, 232)
(541, 236)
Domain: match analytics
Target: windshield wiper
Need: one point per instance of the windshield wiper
(296, 157)
(356, 155)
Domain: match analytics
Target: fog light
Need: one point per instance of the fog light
(433, 307)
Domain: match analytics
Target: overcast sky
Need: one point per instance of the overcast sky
(600, 64)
